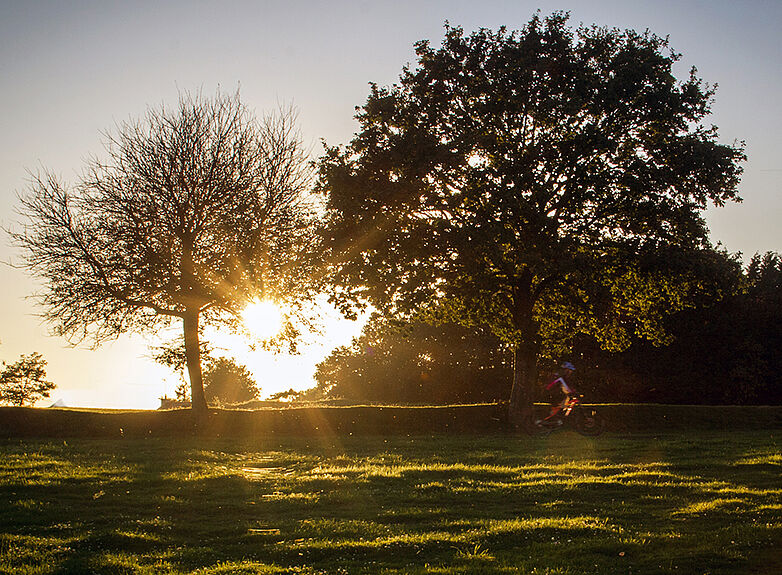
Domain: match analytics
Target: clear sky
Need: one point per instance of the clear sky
(71, 70)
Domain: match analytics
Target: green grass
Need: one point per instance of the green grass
(565, 504)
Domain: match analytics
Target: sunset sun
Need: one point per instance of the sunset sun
(262, 318)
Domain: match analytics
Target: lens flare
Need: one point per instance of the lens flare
(262, 318)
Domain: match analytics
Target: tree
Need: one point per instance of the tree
(182, 392)
(706, 342)
(416, 362)
(723, 352)
(172, 354)
(23, 382)
(228, 382)
(197, 211)
(545, 183)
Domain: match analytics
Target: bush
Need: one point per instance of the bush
(227, 382)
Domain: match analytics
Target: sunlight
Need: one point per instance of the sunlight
(276, 371)
(262, 318)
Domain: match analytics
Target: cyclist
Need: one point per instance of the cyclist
(559, 384)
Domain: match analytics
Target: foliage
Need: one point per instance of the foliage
(544, 183)
(686, 503)
(172, 354)
(289, 395)
(182, 392)
(722, 350)
(226, 382)
(394, 363)
(196, 211)
(726, 352)
(22, 382)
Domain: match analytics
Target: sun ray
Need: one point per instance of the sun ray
(263, 319)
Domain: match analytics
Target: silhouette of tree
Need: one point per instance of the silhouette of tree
(726, 352)
(289, 395)
(541, 182)
(195, 212)
(22, 382)
(182, 392)
(418, 363)
(226, 381)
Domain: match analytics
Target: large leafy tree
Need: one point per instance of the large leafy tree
(196, 211)
(542, 182)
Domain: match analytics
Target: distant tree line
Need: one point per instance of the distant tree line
(724, 353)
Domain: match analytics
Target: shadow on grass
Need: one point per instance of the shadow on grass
(473, 504)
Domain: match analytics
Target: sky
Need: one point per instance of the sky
(71, 71)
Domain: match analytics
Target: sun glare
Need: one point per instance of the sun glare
(263, 319)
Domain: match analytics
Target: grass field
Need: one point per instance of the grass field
(672, 503)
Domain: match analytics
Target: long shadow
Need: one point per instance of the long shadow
(488, 502)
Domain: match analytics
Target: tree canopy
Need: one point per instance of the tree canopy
(228, 382)
(545, 183)
(23, 382)
(195, 212)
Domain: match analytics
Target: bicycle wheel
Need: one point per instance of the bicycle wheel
(589, 424)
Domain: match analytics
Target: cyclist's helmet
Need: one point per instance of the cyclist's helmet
(568, 365)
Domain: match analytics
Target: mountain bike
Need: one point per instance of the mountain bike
(573, 415)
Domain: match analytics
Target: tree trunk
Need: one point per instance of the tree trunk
(193, 356)
(525, 377)
(525, 355)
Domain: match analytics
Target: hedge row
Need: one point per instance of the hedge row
(358, 420)
(305, 421)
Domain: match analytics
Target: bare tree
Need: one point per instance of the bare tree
(195, 212)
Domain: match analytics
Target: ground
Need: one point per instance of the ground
(667, 503)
